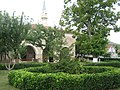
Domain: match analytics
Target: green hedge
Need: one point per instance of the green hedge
(63, 81)
(72, 70)
(28, 64)
(113, 64)
(45, 78)
(41, 69)
(23, 65)
(67, 76)
(76, 67)
(2, 67)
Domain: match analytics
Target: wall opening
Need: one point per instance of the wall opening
(30, 54)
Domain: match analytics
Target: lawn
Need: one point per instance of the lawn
(4, 85)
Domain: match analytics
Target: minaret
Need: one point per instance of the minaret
(44, 15)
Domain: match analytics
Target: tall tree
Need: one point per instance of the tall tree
(13, 30)
(92, 19)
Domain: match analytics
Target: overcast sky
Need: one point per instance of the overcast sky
(33, 8)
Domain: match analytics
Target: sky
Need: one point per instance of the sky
(33, 9)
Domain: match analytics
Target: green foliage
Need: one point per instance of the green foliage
(107, 54)
(69, 75)
(23, 65)
(49, 39)
(63, 81)
(13, 31)
(40, 69)
(113, 64)
(94, 46)
(22, 50)
(36, 36)
(68, 69)
(27, 65)
(65, 54)
(91, 22)
(75, 67)
(2, 67)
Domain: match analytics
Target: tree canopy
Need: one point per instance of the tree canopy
(13, 30)
(48, 38)
(91, 20)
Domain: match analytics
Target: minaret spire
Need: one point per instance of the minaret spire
(44, 7)
(44, 15)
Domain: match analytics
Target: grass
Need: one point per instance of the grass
(4, 85)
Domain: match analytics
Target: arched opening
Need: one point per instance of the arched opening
(46, 56)
(30, 54)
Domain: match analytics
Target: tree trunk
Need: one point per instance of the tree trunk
(9, 62)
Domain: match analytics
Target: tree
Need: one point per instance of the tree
(49, 39)
(54, 42)
(13, 30)
(92, 20)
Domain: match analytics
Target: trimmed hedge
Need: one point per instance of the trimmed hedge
(66, 76)
(2, 67)
(76, 67)
(80, 70)
(23, 65)
(63, 81)
(38, 79)
(28, 64)
(113, 64)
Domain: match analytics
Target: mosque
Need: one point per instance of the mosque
(36, 53)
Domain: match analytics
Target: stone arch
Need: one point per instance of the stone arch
(34, 48)
(33, 53)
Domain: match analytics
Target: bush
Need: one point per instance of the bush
(2, 66)
(113, 64)
(78, 70)
(67, 66)
(23, 65)
(63, 81)
(41, 69)
(28, 64)
(75, 67)
(70, 75)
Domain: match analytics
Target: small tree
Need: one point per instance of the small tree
(13, 31)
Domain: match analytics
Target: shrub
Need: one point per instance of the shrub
(113, 64)
(66, 76)
(75, 67)
(41, 69)
(28, 64)
(78, 70)
(23, 65)
(2, 66)
(67, 66)
(64, 81)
